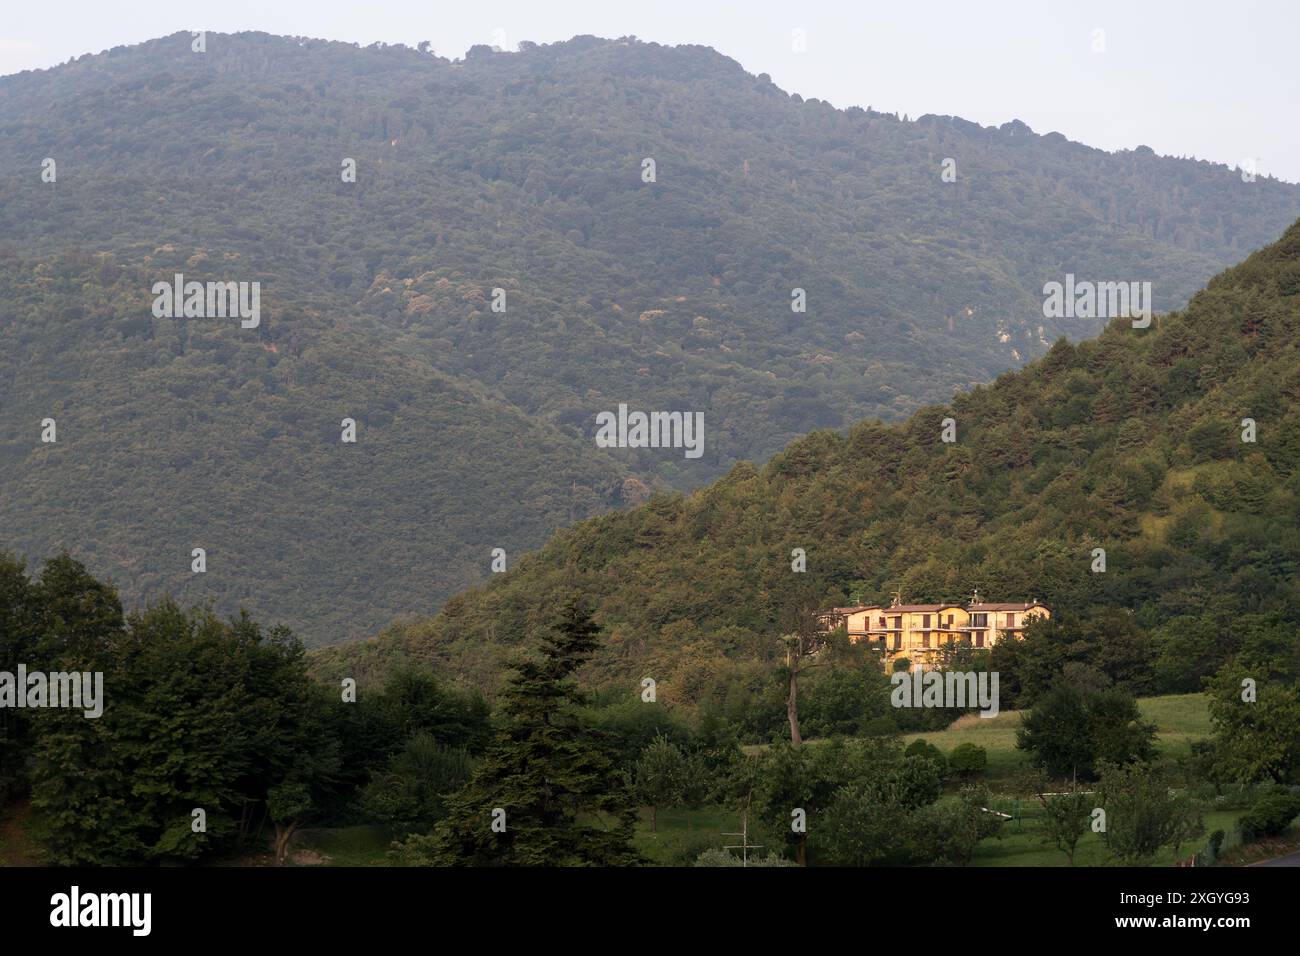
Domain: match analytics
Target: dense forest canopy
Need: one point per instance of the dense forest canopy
(518, 172)
(1137, 443)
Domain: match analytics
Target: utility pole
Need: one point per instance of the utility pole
(745, 846)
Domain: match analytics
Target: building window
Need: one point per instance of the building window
(925, 620)
(979, 638)
(1011, 620)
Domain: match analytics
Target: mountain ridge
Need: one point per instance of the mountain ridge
(521, 173)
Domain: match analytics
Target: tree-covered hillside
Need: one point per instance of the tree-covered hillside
(519, 172)
(172, 435)
(1132, 443)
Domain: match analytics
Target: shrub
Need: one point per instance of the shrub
(923, 748)
(1216, 842)
(687, 852)
(968, 760)
(1143, 814)
(1068, 733)
(1270, 816)
(950, 831)
(717, 857)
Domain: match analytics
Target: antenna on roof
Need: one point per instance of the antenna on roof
(898, 599)
(975, 596)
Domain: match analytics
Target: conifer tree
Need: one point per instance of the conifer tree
(563, 802)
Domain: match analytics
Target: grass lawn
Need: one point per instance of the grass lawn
(1025, 846)
(685, 834)
(1179, 719)
(344, 846)
(997, 735)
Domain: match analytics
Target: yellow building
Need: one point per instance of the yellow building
(998, 621)
(920, 632)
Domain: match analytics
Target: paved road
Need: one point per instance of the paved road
(1292, 860)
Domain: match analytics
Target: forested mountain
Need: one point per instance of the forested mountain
(175, 435)
(1135, 443)
(521, 172)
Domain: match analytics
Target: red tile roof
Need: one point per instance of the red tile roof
(914, 608)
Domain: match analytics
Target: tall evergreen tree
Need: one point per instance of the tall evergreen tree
(564, 804)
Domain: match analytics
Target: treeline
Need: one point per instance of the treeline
(201, 714)
(214, 743)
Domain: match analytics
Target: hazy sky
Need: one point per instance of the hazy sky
(1197, 78)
